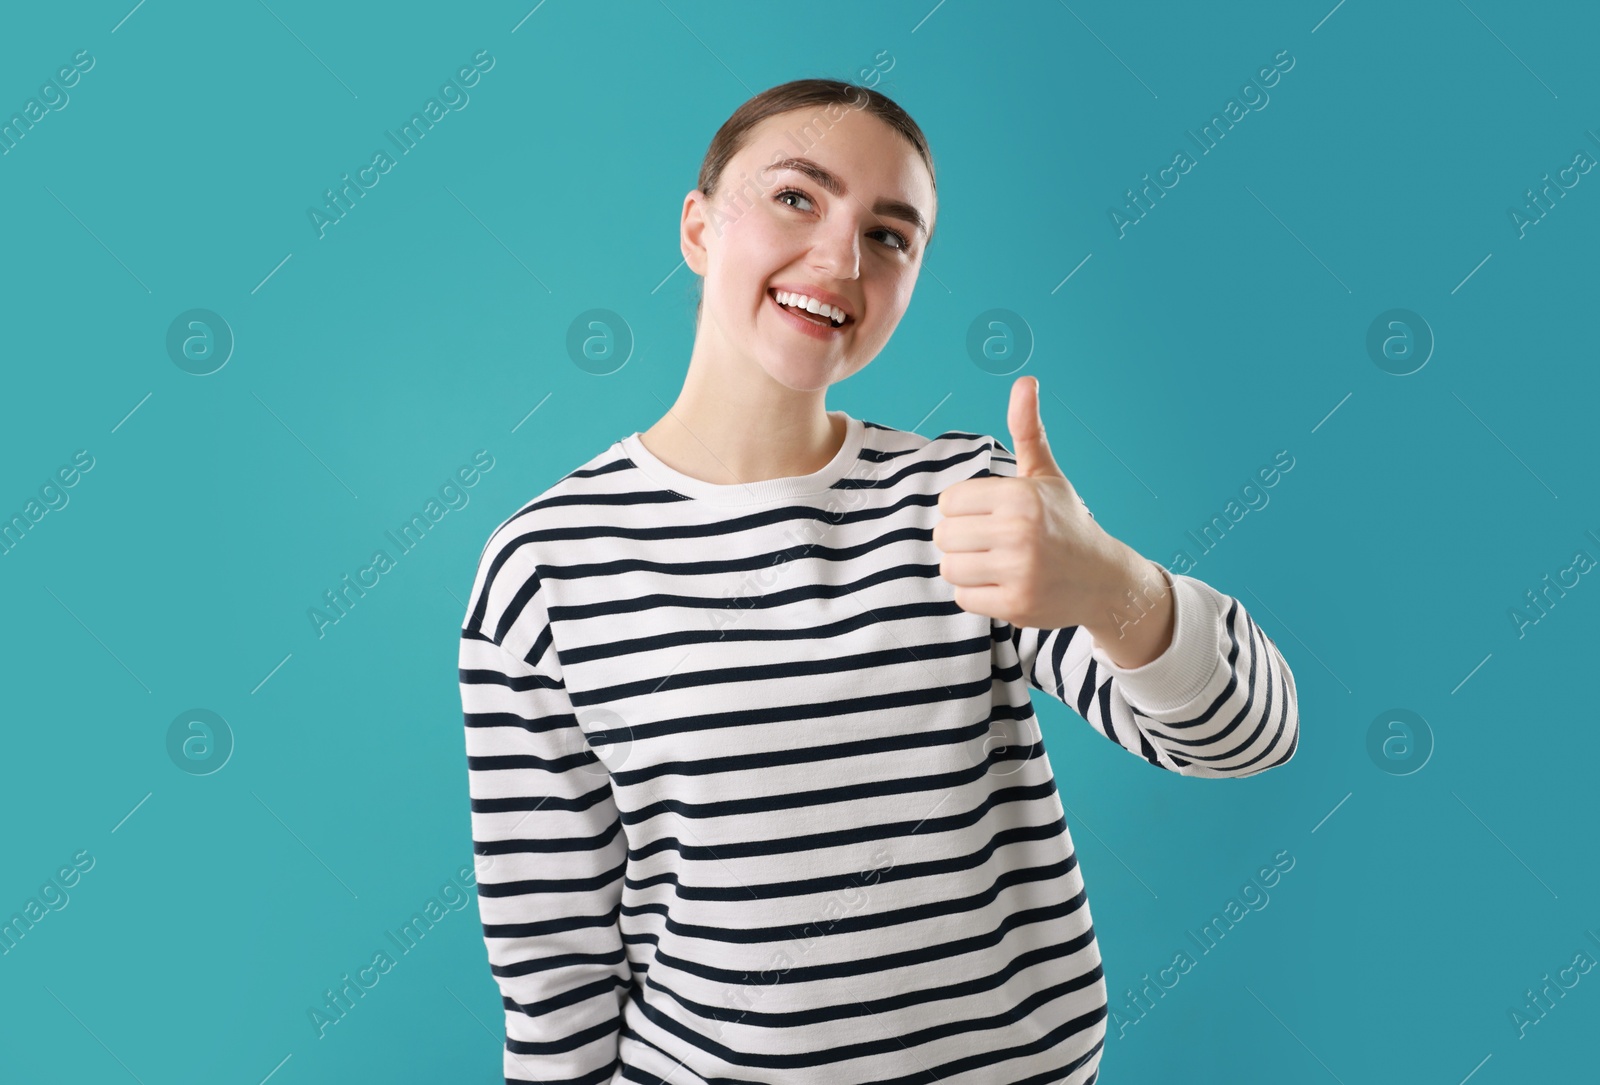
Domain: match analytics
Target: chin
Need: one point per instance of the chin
(801, 378)
(807, 376)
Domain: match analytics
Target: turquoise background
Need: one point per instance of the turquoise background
(1435, 881)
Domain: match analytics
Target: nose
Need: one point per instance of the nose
(837, 249)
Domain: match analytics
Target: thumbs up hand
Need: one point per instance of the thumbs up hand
(1025, 550)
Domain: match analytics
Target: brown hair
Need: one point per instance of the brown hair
(802, 94)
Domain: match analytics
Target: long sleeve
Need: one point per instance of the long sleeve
(544, 816)
(1218, 702)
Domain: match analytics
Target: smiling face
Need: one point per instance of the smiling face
(816, 206)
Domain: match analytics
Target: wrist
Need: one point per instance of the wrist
(1136, 618)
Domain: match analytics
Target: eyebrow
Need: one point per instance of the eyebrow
(891, 208)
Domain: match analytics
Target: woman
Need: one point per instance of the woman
(753, 765)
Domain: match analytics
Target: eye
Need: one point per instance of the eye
(904, 242)
(791, 192)
(896, 234)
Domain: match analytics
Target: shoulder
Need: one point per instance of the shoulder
(592, 481)
(988, 454)
(975, 453)
(508, 564)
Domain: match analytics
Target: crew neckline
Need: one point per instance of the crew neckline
(749, 493)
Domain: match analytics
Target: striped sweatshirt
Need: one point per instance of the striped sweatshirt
(754, 800)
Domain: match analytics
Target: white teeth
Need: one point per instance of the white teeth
(810, 305)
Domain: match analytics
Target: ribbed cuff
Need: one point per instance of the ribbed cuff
(1178, 675)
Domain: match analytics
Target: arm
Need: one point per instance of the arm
(1218, 701)
(542, 811)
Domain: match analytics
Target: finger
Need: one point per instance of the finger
(982, 600)
(973, 496)
(1026, 425)
(968, 570)
(964, 534)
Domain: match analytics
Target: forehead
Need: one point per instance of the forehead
(872, 159)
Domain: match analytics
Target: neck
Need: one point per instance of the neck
(734, 423)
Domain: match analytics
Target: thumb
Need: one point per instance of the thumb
(1027, 432)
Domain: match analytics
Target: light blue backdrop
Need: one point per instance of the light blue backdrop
(1439, 812)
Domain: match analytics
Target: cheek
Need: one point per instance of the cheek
(751, 247)
(754, 224)
(895, 298)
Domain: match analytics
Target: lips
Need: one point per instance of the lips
(815, 318)
(808, 323)
(827, 297)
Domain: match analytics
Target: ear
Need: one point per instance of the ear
(691, 231)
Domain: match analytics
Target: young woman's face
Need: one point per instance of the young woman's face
(837, 219)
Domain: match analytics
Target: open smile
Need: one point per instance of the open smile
(812, 324)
